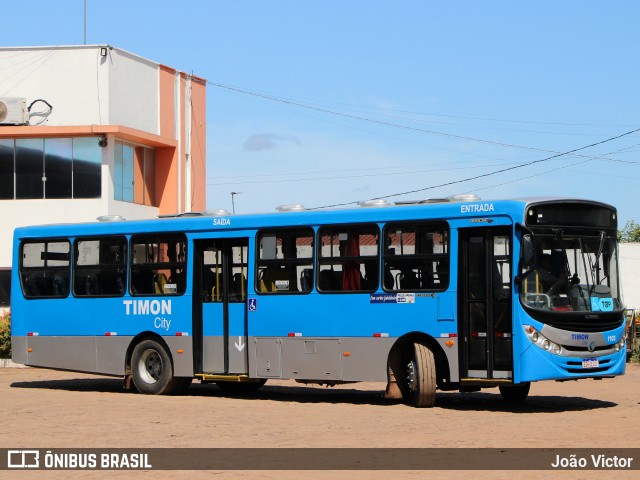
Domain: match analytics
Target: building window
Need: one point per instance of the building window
(348, 259)
(29, 168)
(285, 261)
(87, 167)
(416, 257)
(5, 287)
(44, 269)
(134, 174)
(100, 267)
(56, 168)
(7, 153)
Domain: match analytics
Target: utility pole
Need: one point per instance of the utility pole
(233, 205)
(85, 22)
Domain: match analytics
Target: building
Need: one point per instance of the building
(88, 131)
(630, 273)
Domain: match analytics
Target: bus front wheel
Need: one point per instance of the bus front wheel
(515, 393)
(421, 377)
(151, 368)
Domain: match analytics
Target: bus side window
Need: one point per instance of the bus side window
(45, 268)
(348, 258)
(416, 257)
(285, 261)
(158, 264)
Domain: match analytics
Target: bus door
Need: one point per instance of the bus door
(484, 299)
(219, 310)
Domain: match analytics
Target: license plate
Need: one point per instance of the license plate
(590, 363)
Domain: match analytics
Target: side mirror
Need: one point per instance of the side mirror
(528, 251)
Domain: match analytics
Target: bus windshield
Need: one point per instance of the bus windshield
(572, 272)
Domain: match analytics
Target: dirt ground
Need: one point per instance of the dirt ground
(52, 409)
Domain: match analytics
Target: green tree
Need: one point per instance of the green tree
(630, 232)
(5, 335)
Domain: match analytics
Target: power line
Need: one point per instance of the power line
(484, 175)
(369, 107)
(395, 125)
(370, 120)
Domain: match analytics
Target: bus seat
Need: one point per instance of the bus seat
(91, 285)
(271, 275)
(31, 285)
(306, 279)
(159, 281)
(409, 280)
(60, 286)
(239, 285)
(329, 280)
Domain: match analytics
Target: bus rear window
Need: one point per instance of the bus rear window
(44, 269)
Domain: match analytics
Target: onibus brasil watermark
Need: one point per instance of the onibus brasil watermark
(319, 459)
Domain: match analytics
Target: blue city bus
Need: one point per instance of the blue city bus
(450, 294)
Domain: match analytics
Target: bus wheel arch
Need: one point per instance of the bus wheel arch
(415, 367)
(149, 365)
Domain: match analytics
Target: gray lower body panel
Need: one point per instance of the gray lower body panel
(103, 355)
(331, 359)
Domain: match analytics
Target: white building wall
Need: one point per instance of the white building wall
(84, 87)
(73, 80)
(133, 92)
(630, 273)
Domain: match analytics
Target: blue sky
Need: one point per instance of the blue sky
(442, 91)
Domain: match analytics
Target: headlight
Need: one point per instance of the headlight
(540, 341)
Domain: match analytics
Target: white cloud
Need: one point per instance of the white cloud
(267, 141)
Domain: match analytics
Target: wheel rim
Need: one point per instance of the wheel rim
(150, 366)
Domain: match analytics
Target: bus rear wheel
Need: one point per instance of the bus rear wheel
(421, 377)
(151, 369)
(515, 393)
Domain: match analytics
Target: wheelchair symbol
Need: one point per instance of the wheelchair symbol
(253, 304)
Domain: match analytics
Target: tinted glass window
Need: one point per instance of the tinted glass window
(6, 169)
(100, 267)
(416, 257)
(29, 168)
(87, 161)
(44, 269)
(348, 259)
(58, 167)
(158, 264)
(5, 288)
(285, 261)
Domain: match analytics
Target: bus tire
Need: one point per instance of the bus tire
(421, 377)
(151, 369)
(515, 393)
(240, 388)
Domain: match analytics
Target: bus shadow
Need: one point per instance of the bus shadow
(102, 385)
(478, 401)
(298, 394)
(485, 401)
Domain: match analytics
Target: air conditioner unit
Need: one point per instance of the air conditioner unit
(13, 111)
